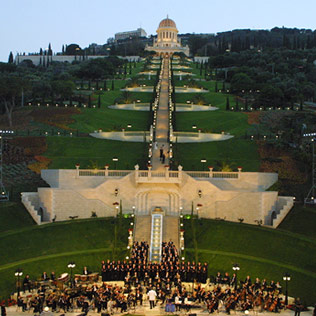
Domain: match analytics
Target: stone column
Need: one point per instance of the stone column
(77, 170)
(180, 172)
(106, 173)
(210, 171)
(167, 172)
(136, 172)
(149, 171)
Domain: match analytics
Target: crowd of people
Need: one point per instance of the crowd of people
(138, 269)
(160, 283)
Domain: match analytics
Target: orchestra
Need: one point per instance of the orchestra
(178, 285)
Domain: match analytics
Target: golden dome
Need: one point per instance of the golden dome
(167, 23)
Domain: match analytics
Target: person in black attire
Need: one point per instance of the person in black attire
(53, 276)
(3, 310)
(297, 307)
(45, 276)
(27, 283)
(85, 271)
(21, 303)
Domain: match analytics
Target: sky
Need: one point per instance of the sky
(28, 25)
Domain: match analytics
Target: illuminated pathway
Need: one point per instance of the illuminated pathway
(162, 128)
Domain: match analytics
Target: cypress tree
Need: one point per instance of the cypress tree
(70, 101)
(216, 87)
(246, 105)
(97, 85)
(104, 85)
(301, 105)
(237, 105)
(99, 101)
(112, 85)
(89, 85)
(227, 104)
(10, 60)
(50, 52)
(89, 101)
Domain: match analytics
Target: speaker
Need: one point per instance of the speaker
(105, 314)
(192, 315)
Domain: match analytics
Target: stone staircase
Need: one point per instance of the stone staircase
(31, 203)
(171, 230)
(142, 228)
(283, 205)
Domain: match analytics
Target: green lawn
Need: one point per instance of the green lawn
(109, 119)
(92, 152)
(301, 220)
(13, 216)
(262, 252)
(234, 123)
(234, 152)
(91, 119)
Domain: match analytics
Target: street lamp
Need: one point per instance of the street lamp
(236, 268)
(71, 266)
(18, 273)
(115, 159)
(203, 161)
(286, 278)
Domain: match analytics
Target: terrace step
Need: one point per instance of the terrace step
(142, 228)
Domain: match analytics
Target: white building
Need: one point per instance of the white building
(130, 34)
(231, 196)
(167, 42)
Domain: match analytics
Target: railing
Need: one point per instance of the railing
(96, 173)
(132, 133)
(214, 175)
(104, 173)
(186, 134)
(148, 175)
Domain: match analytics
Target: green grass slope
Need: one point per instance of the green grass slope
(92, 152)
(262, 252)
(50, 247)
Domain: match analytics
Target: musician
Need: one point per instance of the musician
(297, 307)
(247, 281)
(257, 284)
(188, 301)
(27, 283)
(233, 280)
(85, 271)
(3, 310)
(178, 302)
(218, 278)
(226, 278)
(21, 303)
(53, 276)
(45, 276)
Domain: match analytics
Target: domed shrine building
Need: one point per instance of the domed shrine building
(167, 41)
